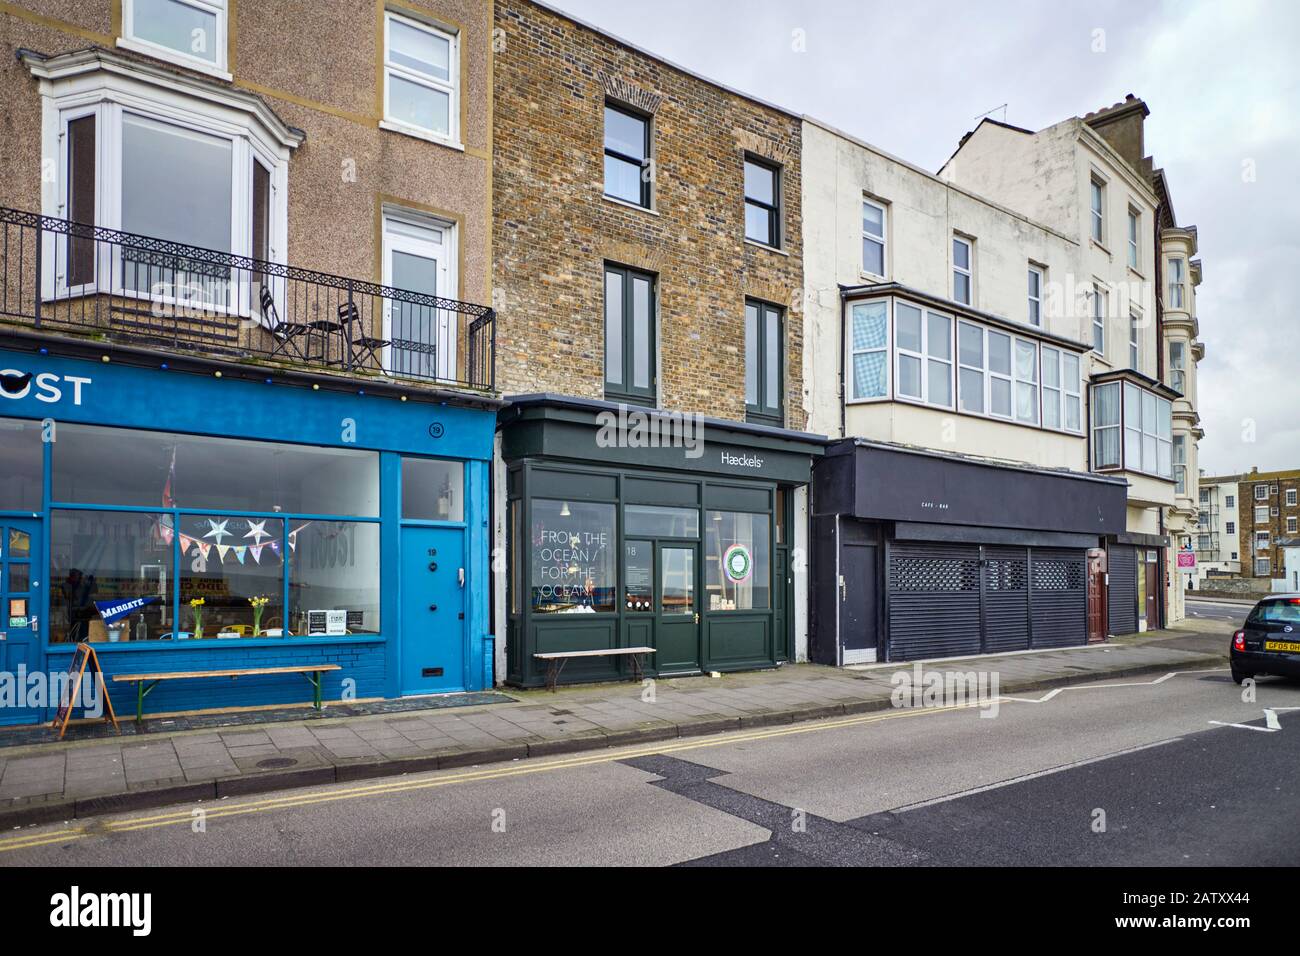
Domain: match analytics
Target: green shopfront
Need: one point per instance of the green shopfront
(635, 528)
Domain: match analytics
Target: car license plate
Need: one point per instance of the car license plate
(1282, 645)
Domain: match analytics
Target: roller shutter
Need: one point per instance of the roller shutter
(934, 600)
(1122, 604)
(1059, 597)
(1006, 599)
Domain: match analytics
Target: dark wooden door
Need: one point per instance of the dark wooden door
(1097, 623)
(1154, 584)
(857, 589)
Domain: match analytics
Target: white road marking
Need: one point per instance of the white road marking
(1031, 776)
(1266, 730)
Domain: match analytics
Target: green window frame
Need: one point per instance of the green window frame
(764, 365)
(631, 335)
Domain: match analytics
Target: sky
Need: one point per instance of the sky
(1222, 81)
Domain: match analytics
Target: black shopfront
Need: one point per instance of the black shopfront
(919, 554)
(661, 531)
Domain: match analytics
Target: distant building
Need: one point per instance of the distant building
(1218, 551)
(1270, 513)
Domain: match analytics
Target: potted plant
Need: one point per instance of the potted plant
(259, 604)
(196, 606)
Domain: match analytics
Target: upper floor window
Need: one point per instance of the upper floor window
(630, 366)
(191, 32)
(869, 349)
(1062, 390)
(1291, 523)
(1099, 302)
(420, 77)
(1035, 295)
(1145, 420)
(1230, 501)
(1231, 527)
(764, 375)
(1134, 232)
(627, 155)
(762, 203)
(874, 221)
(1291, 494)
(984, 373)
(1261, 492)
(1097, 207)
(1175, 283)
(1177, 367)
(963, 256)
(1261, 514)
(1134, 341)
(1180, 470)
(923, 340)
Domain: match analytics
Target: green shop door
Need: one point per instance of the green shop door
(20, 590)
(433, 610)
(677, 615)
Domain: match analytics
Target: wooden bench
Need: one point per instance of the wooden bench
(311, 671)
(555, 660)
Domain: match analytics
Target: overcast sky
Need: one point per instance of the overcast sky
(1222, 81)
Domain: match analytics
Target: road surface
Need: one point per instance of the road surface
(1143, 771)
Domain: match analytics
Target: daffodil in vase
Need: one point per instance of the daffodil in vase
(259, 604)
(196, 607)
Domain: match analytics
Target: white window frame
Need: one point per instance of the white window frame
(1117, 425)
(1134, 239)
(1263, 540)
(1146, 432)
(1180, 471)
(443, 252)
(1177, 367)
(1261, 514)
(850, 352)
(108, 95)
(981, 369)
(1261, 492)
(1263, 568)
(218, 66)
(1230, 527)
(1008, 377)
(1135, 341)
(1292, 497)
(925, 358)
(1033, 383)
(968, 272)
(882, 239)
(1230, 501)
(1097, 209)
(1291, 524)
(1100, 301)
(1035, 303)
(451, 86)
(1177, 283)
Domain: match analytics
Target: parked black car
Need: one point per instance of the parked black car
(1270, 641)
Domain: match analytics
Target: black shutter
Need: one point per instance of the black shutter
(1122, 605)
(1006, 599)
(1059, 596)
(934, 600)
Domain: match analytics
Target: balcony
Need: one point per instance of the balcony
(70, 278)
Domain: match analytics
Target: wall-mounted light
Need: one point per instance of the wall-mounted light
(564, 510)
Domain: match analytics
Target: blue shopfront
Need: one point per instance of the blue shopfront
(190, 516)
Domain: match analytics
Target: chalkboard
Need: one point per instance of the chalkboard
(84, 659)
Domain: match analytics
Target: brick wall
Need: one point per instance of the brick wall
(1276, 525)
(553, 230)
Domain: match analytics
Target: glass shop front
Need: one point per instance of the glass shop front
(686, 558)
(240, 525)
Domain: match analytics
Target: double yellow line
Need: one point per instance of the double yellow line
(290, 801)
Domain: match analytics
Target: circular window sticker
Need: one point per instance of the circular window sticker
(738, 563)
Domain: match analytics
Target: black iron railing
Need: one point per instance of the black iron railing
(66, 276)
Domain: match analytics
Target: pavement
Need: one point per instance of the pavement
(60, 781)
(1180, 768)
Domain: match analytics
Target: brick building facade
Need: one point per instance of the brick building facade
(555, 228)
(1269, 508)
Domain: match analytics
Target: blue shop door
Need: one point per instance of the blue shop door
(21, 576)
(433, 610)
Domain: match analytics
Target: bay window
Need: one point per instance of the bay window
(924, 344)
(869, 349)
(1062, 386)
(1026, 372)
(1178, 367)
(1106, 426)
(971, 362)
(135, 153)
(999, 374)
(1147, 440)
(1175, 283)
(1180, 466)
